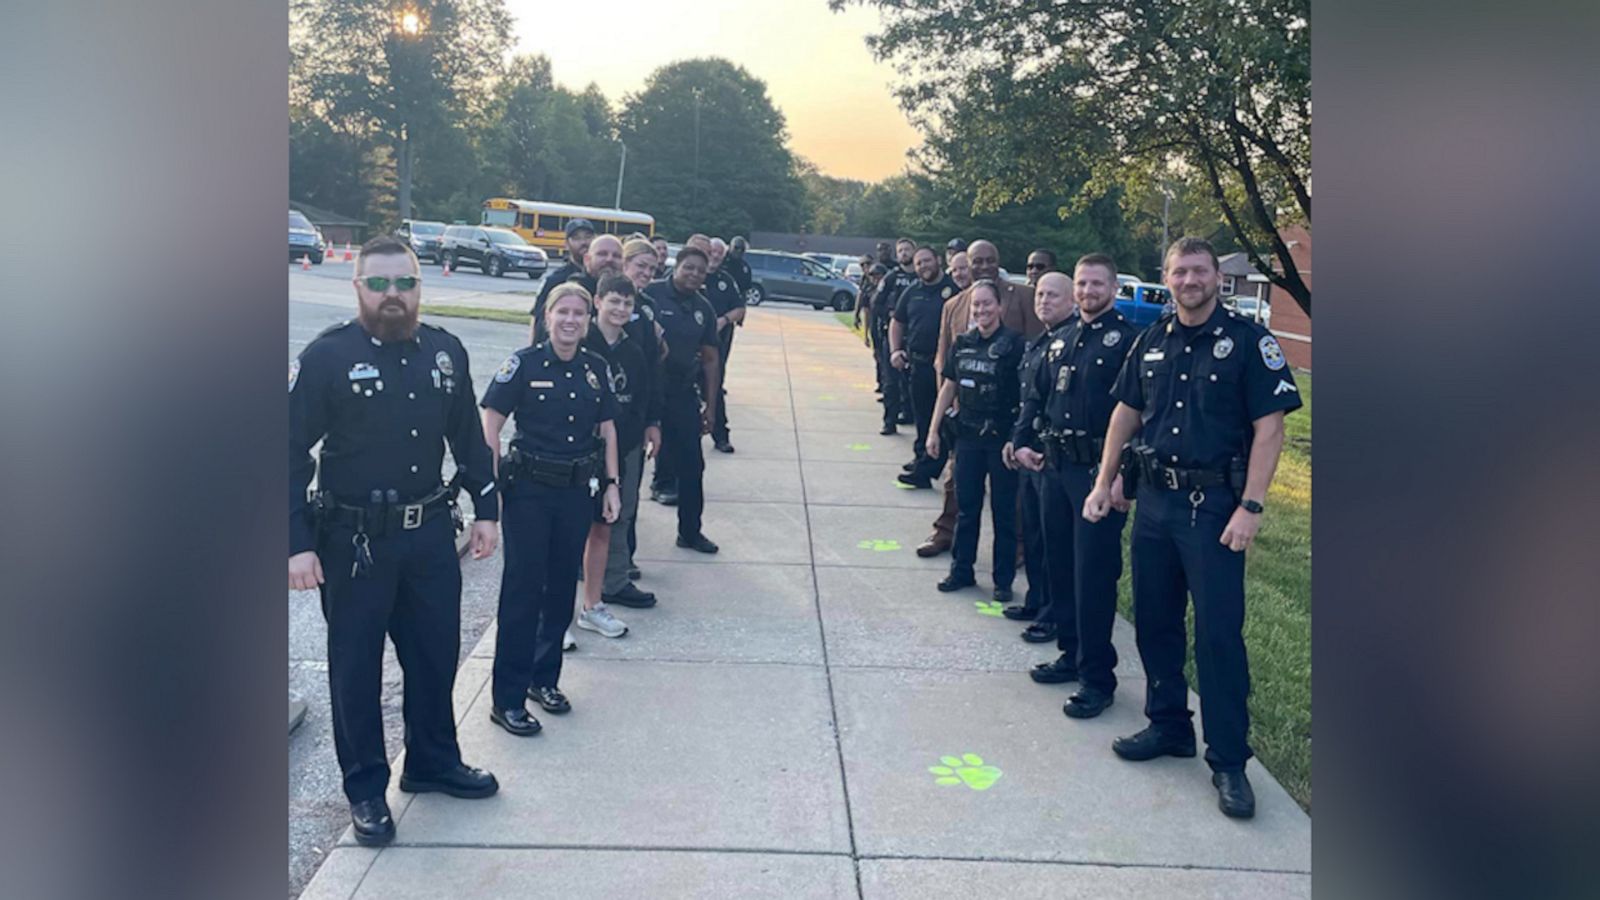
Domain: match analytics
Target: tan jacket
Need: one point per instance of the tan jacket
(1016, 313)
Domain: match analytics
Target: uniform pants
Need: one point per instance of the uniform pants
(924, 394)
(976, 460)
(1173, 560)
(680, 435)
(1029, 485)
(719, 425)
(620, 555)
(412, 592)
(891, 378)
(544, 529)
(1083, 567)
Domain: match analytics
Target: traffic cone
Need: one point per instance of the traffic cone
(305, 261)
(347, 254)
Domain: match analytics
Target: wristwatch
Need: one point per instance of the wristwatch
(607, 482)
(1251, 506)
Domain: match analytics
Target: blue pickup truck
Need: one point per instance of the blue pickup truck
(1142, 303)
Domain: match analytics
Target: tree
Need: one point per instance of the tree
(546, 143)
(380, 71)
(1090, 99)
(707, 151)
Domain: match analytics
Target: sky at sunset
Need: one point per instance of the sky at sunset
(837, 101)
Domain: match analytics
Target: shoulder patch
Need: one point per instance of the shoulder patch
(945, 294)
(1112, 338)
(445, 365)
(294, 373)
(1271, 353)
(508, 369)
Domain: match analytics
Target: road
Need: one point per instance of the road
(319, 298)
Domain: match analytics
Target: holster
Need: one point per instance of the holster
(1129, 464)
(1072, 447)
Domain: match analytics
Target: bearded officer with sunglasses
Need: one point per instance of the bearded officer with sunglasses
(384, 394)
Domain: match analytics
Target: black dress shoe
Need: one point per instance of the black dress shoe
(954, 582)
(699, 542)
(666, 497)
(933, 546)
(1039, 633)
(910, 480)
(463, 781)
(634, 574)
(517, 721)
(550, 698)
(906, 419)
(630, 596)
(1060, 670)
(1150, 743)
(1234, 796)
(374, 826)
(722, 446)
(1087, 703)
(888, 430)
(908, 467)
(1002, 595)
(1020, 613)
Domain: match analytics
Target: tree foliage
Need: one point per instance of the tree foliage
(1022, 99)
(708, 151)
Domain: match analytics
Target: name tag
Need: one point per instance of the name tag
(1154, 355)
(541, 384)
(968, 382)
(361, 371)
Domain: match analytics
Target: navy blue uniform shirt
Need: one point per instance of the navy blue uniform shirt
(918, 309)
(566, 270)
(384, 412)
(557, 405)
(984, 370)
(1198, 390)
(722, 291)
(1071, 390)
(739, 270)
(688, 323)
(889, 290)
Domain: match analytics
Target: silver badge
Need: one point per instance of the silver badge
(442, 360)
(699, 317)
(649, 313)
(1271, 353)
(945, 294)
(1112, 338)
(294, 373)
(589, 375)
(508, 369)
(1222, 347)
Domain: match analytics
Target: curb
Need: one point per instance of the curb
(297, 711)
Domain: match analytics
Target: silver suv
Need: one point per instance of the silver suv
(790, 276)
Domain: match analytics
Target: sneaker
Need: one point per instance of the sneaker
(568, 642)
(601, 621)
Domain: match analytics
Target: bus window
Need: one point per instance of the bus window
(527, 220)
(552, 223)
(504, 218)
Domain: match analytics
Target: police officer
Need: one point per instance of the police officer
(601, 257)
(727, 300)
(659, 242)
(896, 396)
(1052, 300)
(689, 374)
(1205, 391)
(563, 455)
(736, 266)
(952, 248)
(913, 341)
(384, 394)
(1040, 262)
(1067, 405)
(981, 379)
(580, 232)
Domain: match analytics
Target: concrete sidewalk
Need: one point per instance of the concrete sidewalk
(769, 728)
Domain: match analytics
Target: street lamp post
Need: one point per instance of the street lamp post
(410, 27)
(621, 164)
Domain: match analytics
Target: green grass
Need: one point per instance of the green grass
(476, 312)
(1277, 626)
(847, 319)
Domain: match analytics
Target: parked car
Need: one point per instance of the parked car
(790, 276)
(304, 239)
(838, 262)
(494, 251)
(1250, 308)
(423, 236)
(1141, 303)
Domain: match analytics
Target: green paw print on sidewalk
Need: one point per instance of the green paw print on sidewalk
(967, 769)
(990, 608)
(879, 546)
(825, 398)
(858, 447)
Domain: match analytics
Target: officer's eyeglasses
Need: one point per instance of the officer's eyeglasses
(379, 284)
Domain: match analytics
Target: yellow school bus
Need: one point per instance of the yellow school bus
(544, 224)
